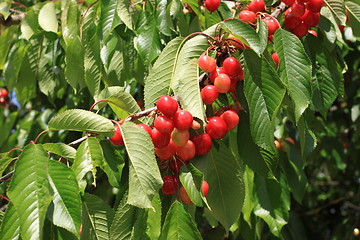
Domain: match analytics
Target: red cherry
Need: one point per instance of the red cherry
(272, 24)
(275, 57)
(288, 2)
(170, 185)
(4, 92)
(202, 143)
(205, 188)
(159, 139)
(231, 119)
(247, 16)
(256, 6)
(206, 63)
(212, 5)
(315, 5)
(313, 32)
(214, 74)
(301, 30)
(166, 152)
(311, 19)
(236, 42)
(209, 94)
(175, 165)
(182, 120)
(232, 67)
(167, 105)
(180, 137)
(164, 124)
(298, 9)
(184, 196)
(147, 128)
(117, 139)
(3, 101)
(341, 28)
(232, 86)
(216, 128)
(290, 21)
(187, 151)
(222, 83)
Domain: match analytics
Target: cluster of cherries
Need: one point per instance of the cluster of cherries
(175, 136)
(3, 96)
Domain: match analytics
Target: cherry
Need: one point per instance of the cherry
(184, 196)
(202, 143)
(164, 124)
(301, 30)
(222, 83)
(214, 74)
(298, 9)
(212, 5)
(277, 144)
(170, 185)
(275, 57)
(167, 105)
(180, 137)
(236, 42)
(4, 92)
(195, 125)
(341, 28)
(232, 86)
(313, 32)
(209, 94)
(272, 24)
(183, 120)
(166, 152)
(187, 151)
(311, 19)
(247, 16)
(159, 139)
(147, 128)
(205, 188)
(288, 2)
(141, 104)
(315, 5)
(216, 128)
(256, 6)
(175, 165)
(231, 119)
(206, 63)
(117, 139)
(232, 67)
(290, 21)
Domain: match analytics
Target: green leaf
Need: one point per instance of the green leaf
(245, 33)
(144, 176)
(154, 219)
(4, 162)
(60, 149)
(29, 25)
(249, 202)
(125, 104)
(294, 68)
(66, 212)
(354, 17)
(307, 138)
(192, 186)
(123, 10)
(157, 83)
(178, 224)
(82, 120)
(97, 218)
(337, 8)
(10, 226)
(6, 39)
(163, 18)
(47, 17)
(6, 126)
(264, 93)
(147, 43)
(30, 190)
(108, 17)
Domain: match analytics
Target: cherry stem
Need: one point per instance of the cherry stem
(14, 149)
(279, 9)
(40, 134)
(198, 33)
(238, 42)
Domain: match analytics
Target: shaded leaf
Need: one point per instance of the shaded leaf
(6, 38)
(123, 10)
(147, 43)
(354, 16)
(337, 8)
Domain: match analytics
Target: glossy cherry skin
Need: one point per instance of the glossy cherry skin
(301, 30)
(232, 67)
(288, 2)
(215, 74)
(298, 9)
(164, 124)
(206, 63)
(170, 185)
(209, 94)
(187, 151)
(216, 128)
(117, 139)
(180, 137)
(4, 93)
(182, 120)
(203, 143)
(231, 119)
(272, 24)
(166, 152)
(222, 83)
(159, 139)
(311, 19)
(212, 5)
(315, 5)
(247, 16)
(275, 57)
(256, 6)
(147, 128)
(290, 21)
(205, 188)
(184, 196)
(167, 105)
(313, 32)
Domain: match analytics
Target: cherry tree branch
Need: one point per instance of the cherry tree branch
(279, 9)
(13, 19)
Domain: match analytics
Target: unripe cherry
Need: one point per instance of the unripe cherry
(202, 142)
(298, 9)
(182, 120)
(180, 137)
(315, 5)
(222, 83)
(232, 67)
(170, 185)
(209, 94)
(206, 63)
(166, 152)
(159, 139)
(214, 74)
(164, 124)
(187, 151)
(231, 119)
(195, 125)
(256, 6)
(117, 139)
(247, 16)
(167, 105)
(275, 57)
(216, 128)
(272, 24)
(212, 5)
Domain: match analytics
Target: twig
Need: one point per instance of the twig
(13, 19)
(141, 114)
(279, 9)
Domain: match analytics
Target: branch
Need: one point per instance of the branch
(279, 9)
(13, 19)
(141, 114)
